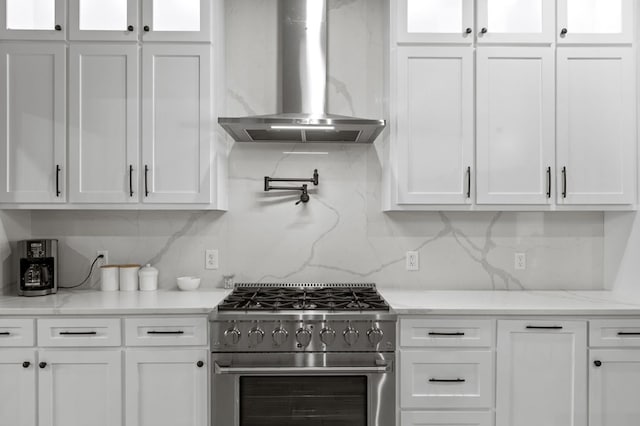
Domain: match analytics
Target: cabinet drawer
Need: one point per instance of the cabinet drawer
(416, 332)
(16, 333)
(442, 418)
(65, 332)
(165, 331)
(446, 379)
(622, 333)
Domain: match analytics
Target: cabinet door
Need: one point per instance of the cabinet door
(445, 418)
(515, 124)
(541, 378)
(103, 20)
(516, 21)
(176, 20)
(595, 21)
(103, 124)
(596, 133)
(17, 387)
(435, 125)
(32, 116)
(436, 21)
(80, 388)
(166, 387)
(614, 385)
(176, 117)
(33, 19)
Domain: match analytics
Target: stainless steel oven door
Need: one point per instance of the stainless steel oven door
(310, 389)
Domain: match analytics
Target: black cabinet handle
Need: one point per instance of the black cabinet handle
(146, 180)
(58, 27)
(5, 333)
(200, 364)
(468, 182)
(165, 332)
(435, 333)
(447, 380)
(483, 31)
(544, 327)
(58, 180)
(78, 333)
(564, 182)
(563, 32)
(130, 180)
(146, 28)
(597, 363)
(548, 182)
(628, 333)
(42, 364)
(26, 364)
(468, 31)
(130, 28)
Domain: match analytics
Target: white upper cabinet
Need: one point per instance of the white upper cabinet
(434, 21)
(176, 122)
(176, 20)
(33, 123)
(434, 125)
(32, 19)
(515, 116)
(596, 130)
(103, 20)
(595, 21)
(516, 21)
(103, 124)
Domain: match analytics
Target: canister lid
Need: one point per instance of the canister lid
(148, 270)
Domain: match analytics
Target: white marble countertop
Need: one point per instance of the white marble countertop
(90, 302)
(511, 302)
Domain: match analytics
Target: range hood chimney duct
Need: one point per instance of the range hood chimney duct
(303, 78)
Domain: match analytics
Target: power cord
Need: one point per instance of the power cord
(89, 275)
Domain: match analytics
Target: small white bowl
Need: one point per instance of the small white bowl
(188, 283)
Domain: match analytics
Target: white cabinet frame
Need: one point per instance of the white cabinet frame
(570, 37)
(52, 34)
(75, 33)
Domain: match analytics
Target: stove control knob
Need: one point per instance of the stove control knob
(351, 335)
(279, 336)
(231, 336)
(255, 336)
(375, 335)
(303, 336)
(327, 336)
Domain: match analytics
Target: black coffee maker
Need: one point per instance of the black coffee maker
(38, 267)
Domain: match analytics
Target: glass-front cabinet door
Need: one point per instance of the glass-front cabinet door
(595, 21)
(103, 20)
(176, 20)
(438, 21)
(32, 19)
(516, 21)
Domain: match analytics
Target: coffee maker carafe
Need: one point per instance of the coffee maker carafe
(38, 267)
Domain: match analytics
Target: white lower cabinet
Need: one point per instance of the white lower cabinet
(80, 388)
(17, 387)
(446, 418)
(541, 373)
(166, 387)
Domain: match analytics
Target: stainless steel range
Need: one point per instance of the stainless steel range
(303, 354)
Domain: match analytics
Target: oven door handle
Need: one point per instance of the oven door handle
(301, 370)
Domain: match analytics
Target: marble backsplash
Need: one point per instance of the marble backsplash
(341, 234)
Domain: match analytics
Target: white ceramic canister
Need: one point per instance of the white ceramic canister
(109, 278)
(148, 277)
(129, 277)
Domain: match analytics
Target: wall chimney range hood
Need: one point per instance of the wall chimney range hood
(302, 30)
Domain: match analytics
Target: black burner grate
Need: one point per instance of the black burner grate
(330, 298)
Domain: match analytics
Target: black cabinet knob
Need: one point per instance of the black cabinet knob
(42, 364)
(58, 27)
(146, 28)
(563, 31)
(597, 363)
(26, 364)
(130, 28)
(200, 364)
(468, 31)
(483, 31)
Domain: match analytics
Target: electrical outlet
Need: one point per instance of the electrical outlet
(105, 258)
(211, 259)
(520, 261)
(413, 261)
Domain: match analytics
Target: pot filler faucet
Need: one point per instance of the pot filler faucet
(304, 195)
